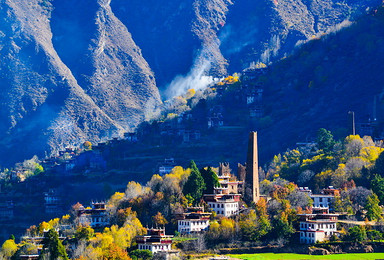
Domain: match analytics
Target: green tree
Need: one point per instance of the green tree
(52, 247)
(195, 184)
(39, 169)
(379, 165)
(374, 235)
(254, 227)
(373, 209)
(282, 227)
(325, 140)
(357, 234)
(141, 254)
(210, 178)
(377, 185)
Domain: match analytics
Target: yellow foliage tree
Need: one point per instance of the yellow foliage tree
(227, 228)
(87, 145)
(44, 226)
(9, 248)
(190, 93)
(65, 219)
(371, 153)
(116, 199)
(54, 223)
(159, 219)
(134, 190)
(353, 144)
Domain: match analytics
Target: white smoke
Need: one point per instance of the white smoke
(197, 79)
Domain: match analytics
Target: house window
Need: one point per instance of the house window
(321, 199)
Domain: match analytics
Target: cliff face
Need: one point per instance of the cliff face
(176, 35)
(72, 71)
(100, 87)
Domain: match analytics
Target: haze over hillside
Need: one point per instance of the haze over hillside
(85, 70)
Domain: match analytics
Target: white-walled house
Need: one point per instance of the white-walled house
(195, 220)
(317, 227)
(156, 241)
(322, 200)
(226, 205)
(188, 226)
(226, 198)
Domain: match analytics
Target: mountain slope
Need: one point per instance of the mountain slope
(266, 30)
(42, 98)
(86, 70)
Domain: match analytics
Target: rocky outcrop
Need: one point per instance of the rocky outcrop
(43, 105)
(317, 251)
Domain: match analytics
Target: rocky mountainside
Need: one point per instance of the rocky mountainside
(66, 77)
(85, 70)
(267, 30)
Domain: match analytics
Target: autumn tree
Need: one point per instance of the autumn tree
(9, 248)
(159, 219)
(254, 227)
(114, 252)
(87, 145)
(84, 232)
(282, 223)
(134, 190)
(352, 145)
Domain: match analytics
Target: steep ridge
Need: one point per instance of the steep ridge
(111, 69)
(210, 18)
(41, 103)
(266, 30)
(176, 35)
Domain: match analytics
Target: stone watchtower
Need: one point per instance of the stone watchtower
(252, 191)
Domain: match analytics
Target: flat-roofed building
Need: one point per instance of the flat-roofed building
(195, 220)
(155, 241)
(317, 227)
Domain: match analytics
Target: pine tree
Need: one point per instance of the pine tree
(195, 184)
(373, 209)
(211, 180)
(53, 247)
(377, 185)
(325, 140)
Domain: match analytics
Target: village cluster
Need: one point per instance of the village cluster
(316, 226)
